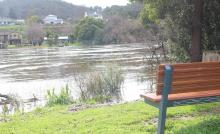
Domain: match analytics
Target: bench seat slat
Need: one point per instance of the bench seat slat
(208, 81)
(194, 65)
(187, 86)
(197, 88)
(191, 76)
(193, 70)
(182, 96)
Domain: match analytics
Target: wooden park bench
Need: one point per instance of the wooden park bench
(184, 84)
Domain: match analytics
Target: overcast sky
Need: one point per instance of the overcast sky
(102, 3)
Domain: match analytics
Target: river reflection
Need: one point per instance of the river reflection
(32, 71)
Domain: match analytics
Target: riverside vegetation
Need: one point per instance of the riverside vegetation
(96, 87)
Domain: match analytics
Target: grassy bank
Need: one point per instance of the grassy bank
(130, 118)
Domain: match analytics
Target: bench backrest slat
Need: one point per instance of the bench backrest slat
(190, 77)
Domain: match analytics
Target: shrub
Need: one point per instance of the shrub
(101, 86)
(63, 98)
(113, 80)
(11, 104)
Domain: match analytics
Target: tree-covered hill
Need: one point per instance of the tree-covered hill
(23, 8)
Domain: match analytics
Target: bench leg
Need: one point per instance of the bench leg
(162, 119)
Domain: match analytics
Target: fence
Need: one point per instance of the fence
(211, 56)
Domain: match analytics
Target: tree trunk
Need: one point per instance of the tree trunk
(196, 48)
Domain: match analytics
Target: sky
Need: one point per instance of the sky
(101, 3)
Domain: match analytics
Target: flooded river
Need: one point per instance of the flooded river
(29, 72)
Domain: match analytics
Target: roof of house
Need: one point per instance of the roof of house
(60, 38)
(63, 38)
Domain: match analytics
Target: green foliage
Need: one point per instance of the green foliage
(131, 10)
(148, 14)
(105, 87)
(89, 29)
(11, 103)
(63, 98)
(177, 15)
(119, 26)
(113, 79)
(211, 25)
(101, 86)
(178, 53)
(33, 19)
(52, 38)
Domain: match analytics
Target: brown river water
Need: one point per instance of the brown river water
(32, 71)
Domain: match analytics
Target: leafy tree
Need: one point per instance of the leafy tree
(131, 10)
(181, 29)
(33, 19)
(211, 25)
(87, 28)
(52, 38)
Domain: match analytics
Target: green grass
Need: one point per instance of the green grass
(130, 118)
(18, 28)
(11, 46)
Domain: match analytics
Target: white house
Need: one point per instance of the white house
(20, 21)
(60, 38)
(94, 15)
(52, 19)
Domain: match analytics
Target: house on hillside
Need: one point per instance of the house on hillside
(61, 39)
(93, 15)
(10, 37)
(20, 21)
(52, 19)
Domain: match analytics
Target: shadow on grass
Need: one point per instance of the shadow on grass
(209, 107)
(206, 126)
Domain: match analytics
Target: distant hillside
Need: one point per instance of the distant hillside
(23, 8)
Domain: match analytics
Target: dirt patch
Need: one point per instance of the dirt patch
(80, 107)
(152, 121)
(213, 111)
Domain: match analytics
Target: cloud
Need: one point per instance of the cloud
(102, 3)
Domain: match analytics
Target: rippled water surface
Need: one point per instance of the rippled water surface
(32, 71)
